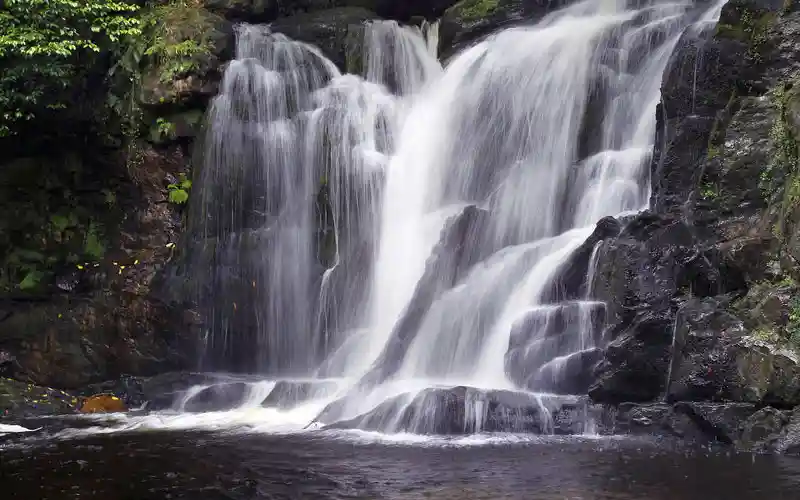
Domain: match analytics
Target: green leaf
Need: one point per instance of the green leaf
(178, 196)
(31, 280)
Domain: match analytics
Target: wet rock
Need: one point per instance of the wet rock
(716, 359)
(547, 348)
(570, 374)
(703, 73)
(570, 282)
(700, 423)
(336, 32)
(761, 430)
(103, 403)
(288, 394)
(218, 397)
(465, 410)
(404, 11)
(638, 276)
(721, 422)
(469, 20)
(262, 11)
(23, 400)
(655, 419)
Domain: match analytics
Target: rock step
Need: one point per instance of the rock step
(466, 410)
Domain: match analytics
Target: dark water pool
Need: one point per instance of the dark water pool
(169, 465)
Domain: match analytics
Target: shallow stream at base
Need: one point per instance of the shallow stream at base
(335, 465)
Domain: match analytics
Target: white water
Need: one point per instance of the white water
(403, 149)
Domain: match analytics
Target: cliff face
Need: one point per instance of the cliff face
(702, 290)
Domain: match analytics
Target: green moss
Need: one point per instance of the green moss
(475, 10)
(709, 192)
(751, 28)
(178, 37)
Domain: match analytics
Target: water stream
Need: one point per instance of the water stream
(412, 228)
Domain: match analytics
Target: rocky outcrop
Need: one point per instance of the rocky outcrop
(109, 314)
(469, 20)
(638, 275)
(700, 292)
(262, 11)
(21, 400)
(467, 410)
(338, 33)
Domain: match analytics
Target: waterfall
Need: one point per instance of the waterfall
(410, 227)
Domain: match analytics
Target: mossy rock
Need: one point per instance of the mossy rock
(19, 399)
(183, 54)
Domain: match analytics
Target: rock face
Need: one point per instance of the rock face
(20, 400)
(337, 32)
(700, 291)
(469, 20)
(638, 276)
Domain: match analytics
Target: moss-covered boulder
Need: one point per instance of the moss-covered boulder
(180, 53)
(716, 358)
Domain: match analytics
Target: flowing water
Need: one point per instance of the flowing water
(411, 227)
(401, 252)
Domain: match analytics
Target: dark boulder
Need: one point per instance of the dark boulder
(639, 275)
(466, 410)
(218, 397)
(338, 33)
(409, 9)
(469, 20)
(700, 423)
(570, 282)
(262, 11)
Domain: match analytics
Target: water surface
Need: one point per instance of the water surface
(206, 466)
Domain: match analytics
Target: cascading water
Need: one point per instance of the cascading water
(450, 206)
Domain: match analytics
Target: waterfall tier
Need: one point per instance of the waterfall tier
(419, 239)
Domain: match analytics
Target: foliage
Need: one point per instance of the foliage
(45, 45)
(55, 218)
(475, 10)
(793, 328)
(179, 192)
